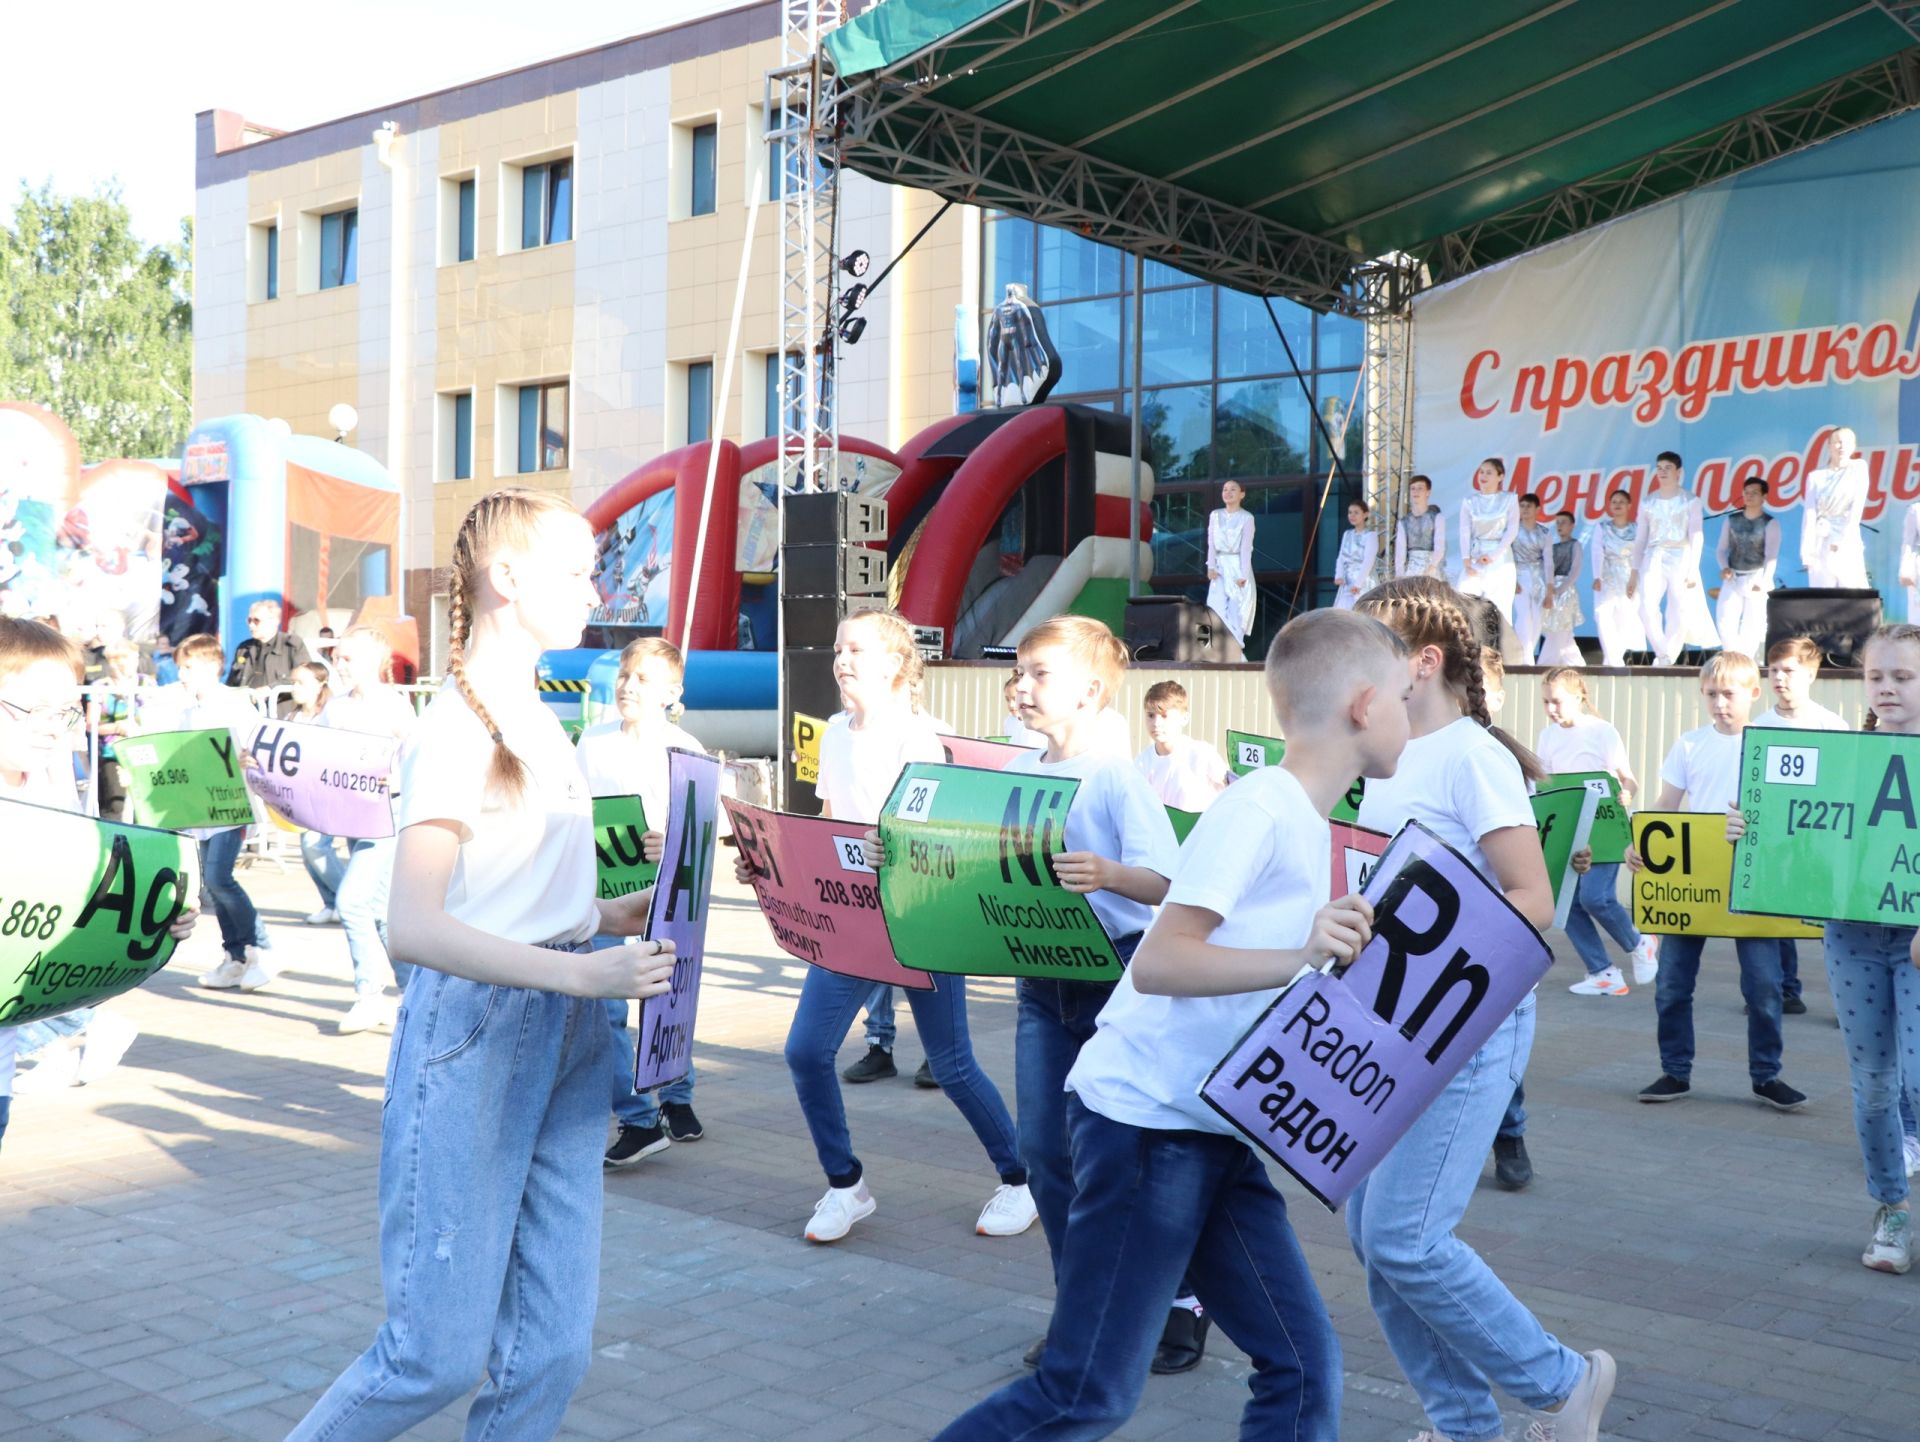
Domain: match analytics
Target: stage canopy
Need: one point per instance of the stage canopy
(1277, 147)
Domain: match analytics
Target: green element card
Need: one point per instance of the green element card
(1565, 818)
(1833, 828)
(1247, 753)
(969, 888)
(1612, 827)
(1183, 823)
(618, 824)
(84, 908)
(181, 780)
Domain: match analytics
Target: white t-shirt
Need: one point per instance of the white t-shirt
(46, 789)
(1260, 859)
(1589, 744)
(525, 870)
(1706, 765)
(858, 768)
(1810, 717)
(1459, 782)
(1114, 815)
(383, 712)
(618, 763)
(1189, 776)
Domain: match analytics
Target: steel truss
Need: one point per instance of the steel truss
(1385, 289)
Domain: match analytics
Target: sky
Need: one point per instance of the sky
(100, 91)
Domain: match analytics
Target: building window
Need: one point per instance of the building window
(543, 427)
(786, 383)
(453, 448)
(699, 402)
(701, 171)
(263, 261)
(546, 203)
(273, 262)
(464, 202)
(339, 248)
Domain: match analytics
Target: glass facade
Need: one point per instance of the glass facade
(339, 248)
(1223, 396)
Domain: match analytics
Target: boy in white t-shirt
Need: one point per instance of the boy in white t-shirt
(1163, 1183)
(1183, 772)
(628, 757)
(1702, 773)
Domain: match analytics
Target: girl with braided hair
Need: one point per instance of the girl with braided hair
(1452, 1324)
(496, 1098)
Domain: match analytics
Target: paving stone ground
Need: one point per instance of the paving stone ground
(187, 1248)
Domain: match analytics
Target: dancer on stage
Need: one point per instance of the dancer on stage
(1230, 589)
(1420, 538)
(1666, 565)
(1359, 553)
(1533, 575)
(1910, 561)
(1563, 611)
(1615, 615)
(1835, 500)
(1748, 551)
(1489, 520)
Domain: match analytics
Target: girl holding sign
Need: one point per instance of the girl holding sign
(496, 1106)
(1451, 1323)
(877, 668)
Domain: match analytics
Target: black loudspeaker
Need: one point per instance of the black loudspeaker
(1172, 628)
(1836, 619)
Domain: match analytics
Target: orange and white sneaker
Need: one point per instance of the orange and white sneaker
(1602, 983)
(1646, 960)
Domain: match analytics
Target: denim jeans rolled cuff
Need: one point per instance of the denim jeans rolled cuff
(1597, 907)
(1673, 1004)
(632, 1108)
(1876, 994)
(882, 1029)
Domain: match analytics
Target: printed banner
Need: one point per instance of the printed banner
(664, 1043)
(969, 886)
(620, 865)
(988, 755)
(1338, 1068)
(821, 899)
(806, 748)
(1831, 826)
(321, 778)
(1248, 752)
(181, 780)
(1610, 831)
(1355, 851)
(84, 908)
(1565, 818)
(1681, 889)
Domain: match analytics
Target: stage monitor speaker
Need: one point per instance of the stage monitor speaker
(1172, 628)
(1838, 620)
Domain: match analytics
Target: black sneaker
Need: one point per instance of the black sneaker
(876, 1065)
(682, 1124)
(1778, 1095)
(1032, 1355)
(1182, 1344)
(1667, 1089)
(924, 1078)
(633, 1143)
(1793, 1006)
(1512, 1168)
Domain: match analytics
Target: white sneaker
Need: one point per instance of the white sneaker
(372, 1012)
(104, 1042)
(1891, 1249)
(1008, 1212)
(325, 916)
(57, 1068)
(1602, 983)
(1578, 1418)
(1911, 1146)
(1646, 960)
(838, 1210)
(256, 973)
(225, 976)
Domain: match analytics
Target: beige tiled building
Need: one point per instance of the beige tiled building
(530, 277)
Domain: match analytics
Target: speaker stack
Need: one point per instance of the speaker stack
(1838, 620)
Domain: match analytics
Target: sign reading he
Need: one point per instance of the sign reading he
(1565, 818)
(1833, 826)
(1247, 752)
(806, 748)
(1337, 1069)
(820, 897)
(969, 886)
(321, 778)
(678, 914)
(1609, 833)
(181, 780)
(988, 755)
(84, 908)
(1682, 888)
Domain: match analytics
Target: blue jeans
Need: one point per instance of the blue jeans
(1673, 1001)
(881, 1028)
(490, 1205)
(361, 898)
(828, 1004)
(232, 907)
(6, 1110)
(1597, 899)
(36, 1036)
(1789, 967)
(324, 866)
(1514, 1123)
(1144, 1203)
(1876, 992)
(1450, 1322)
(632, 1108)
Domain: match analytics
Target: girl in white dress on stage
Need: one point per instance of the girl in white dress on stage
(1353, 573)
(1910, 562)
(1420, 539)
(1230, 589)
(1836, 499)
(1615, 615)
(1489, 520)
(1666, 564)
(1533, 575)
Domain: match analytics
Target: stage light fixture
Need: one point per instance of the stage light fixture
(856, 263)
(852, 298)
(852, 329)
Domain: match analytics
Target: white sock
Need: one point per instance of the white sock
(1190, 1302)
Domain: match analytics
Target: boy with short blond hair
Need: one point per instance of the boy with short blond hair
(1183, 772)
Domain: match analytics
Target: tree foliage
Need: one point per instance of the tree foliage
(94, 325)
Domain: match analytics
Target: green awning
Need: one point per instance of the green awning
(1275, 146)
